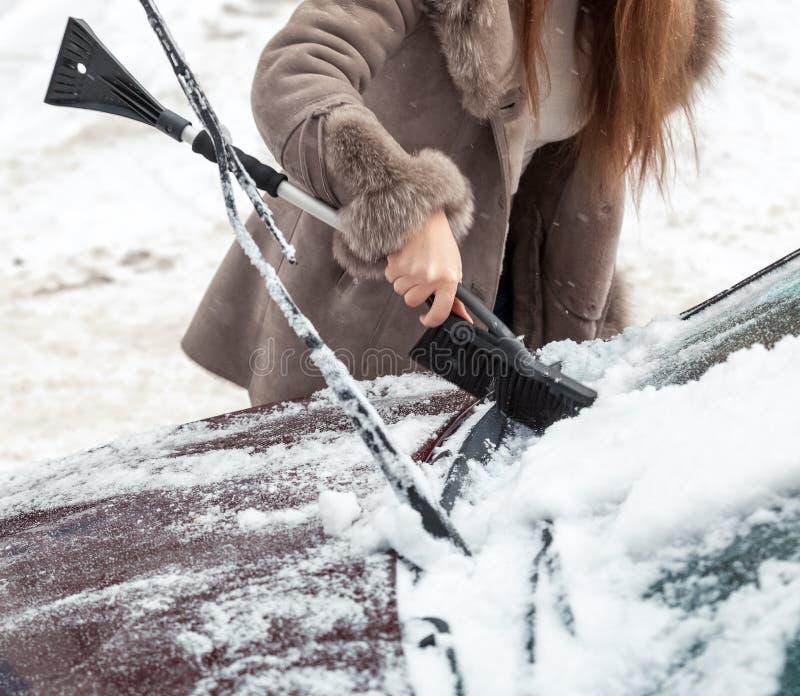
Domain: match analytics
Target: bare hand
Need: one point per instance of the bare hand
(429, 264)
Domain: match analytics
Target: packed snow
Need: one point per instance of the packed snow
(111, 232)
(338, 510)
(251, 519)
(640, 491)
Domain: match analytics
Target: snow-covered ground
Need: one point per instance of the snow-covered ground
(110, 233)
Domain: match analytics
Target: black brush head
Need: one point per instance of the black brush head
(88, 76)
(538, 395)
(460, 353)
(525, 389)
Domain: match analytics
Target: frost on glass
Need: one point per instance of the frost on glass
(762, 312)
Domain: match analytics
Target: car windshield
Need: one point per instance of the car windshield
(660, 529)
(760, 312)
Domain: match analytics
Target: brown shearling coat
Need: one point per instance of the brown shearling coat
(389, 110)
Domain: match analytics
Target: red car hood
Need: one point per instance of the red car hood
(136, 567)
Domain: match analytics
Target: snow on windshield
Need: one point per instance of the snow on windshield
(676, 529)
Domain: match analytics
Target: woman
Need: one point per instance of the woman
(423, 122)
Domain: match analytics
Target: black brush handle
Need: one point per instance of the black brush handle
(172, 124)
(482, 312)
(267, 179)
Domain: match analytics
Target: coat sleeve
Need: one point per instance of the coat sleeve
(308, 108)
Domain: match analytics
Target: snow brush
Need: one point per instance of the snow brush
(86, 75)
(482, 362)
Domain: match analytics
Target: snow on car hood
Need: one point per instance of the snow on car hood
(675, 561)
(179, 458)
(206, 559)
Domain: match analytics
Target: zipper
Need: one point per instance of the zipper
(501, 146)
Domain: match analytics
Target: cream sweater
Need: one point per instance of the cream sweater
(559, 115)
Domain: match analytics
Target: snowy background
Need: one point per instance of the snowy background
(110, 233)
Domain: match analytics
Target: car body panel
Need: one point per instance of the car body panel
(161, 590)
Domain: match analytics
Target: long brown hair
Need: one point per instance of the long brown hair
(638, 53)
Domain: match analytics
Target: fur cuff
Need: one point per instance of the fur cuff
(387, 193)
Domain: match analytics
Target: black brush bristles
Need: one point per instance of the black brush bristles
(536, 394)
(534, 402)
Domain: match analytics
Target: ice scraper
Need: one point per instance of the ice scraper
(483, 362)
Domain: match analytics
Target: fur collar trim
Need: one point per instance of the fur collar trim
(480, 47)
